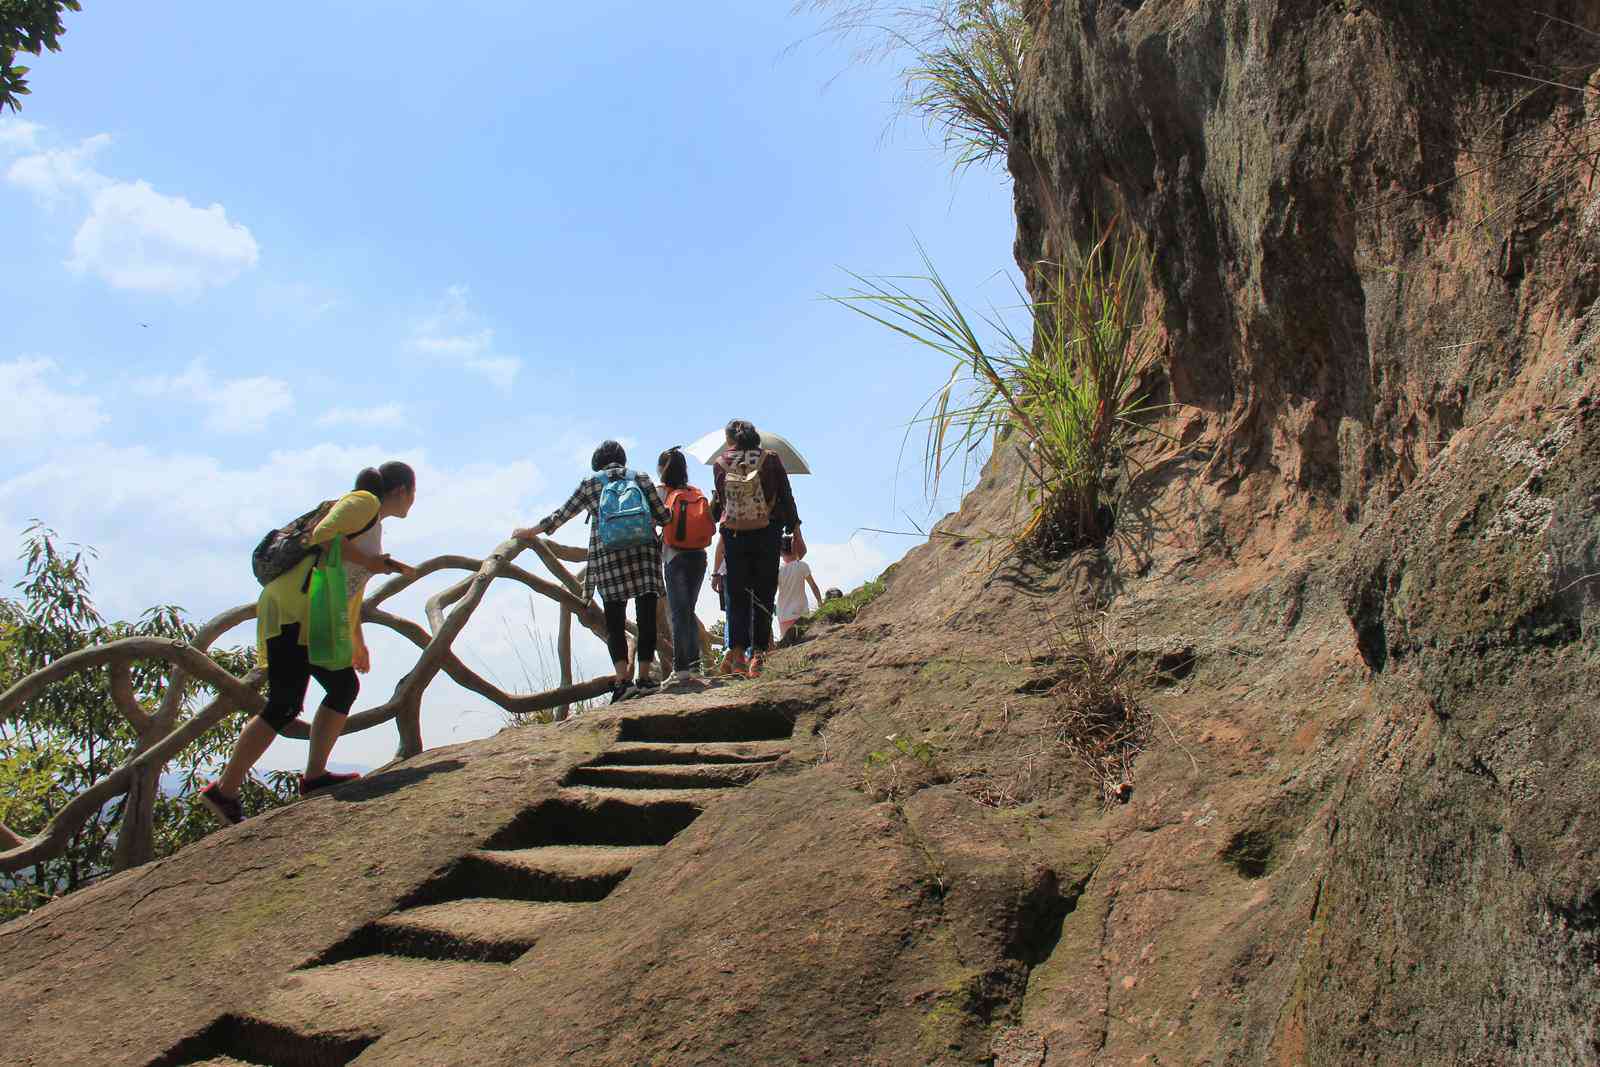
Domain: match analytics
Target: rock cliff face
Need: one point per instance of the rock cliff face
(1358, 603)
(1375, 226)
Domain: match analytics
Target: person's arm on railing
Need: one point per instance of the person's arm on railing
(348, 517)
(578, 501)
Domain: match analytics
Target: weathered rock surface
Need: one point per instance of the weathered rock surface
(1375, 233)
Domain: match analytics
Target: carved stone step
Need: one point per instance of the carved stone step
(668, 775)
(356, 999)
(656, 752)
(602, 816)
(570, 873)
(478, 928)
(733, 722)
(643, 802)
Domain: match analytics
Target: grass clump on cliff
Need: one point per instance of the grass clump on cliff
(1072, 388)
(847, 607)
(963, 69)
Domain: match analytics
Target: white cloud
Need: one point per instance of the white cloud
(364, 418)
(136, 238)
(133, 236)
(18, 135)
(59, 173)
(846, 565)
(241, 405)
(454, 333)
(34, 411)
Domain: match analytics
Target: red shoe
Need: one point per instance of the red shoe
(755, 665)
(733, 662)
(325, 780)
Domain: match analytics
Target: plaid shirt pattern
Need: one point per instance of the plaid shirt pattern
(626, 572)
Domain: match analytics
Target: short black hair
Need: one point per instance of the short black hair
(674, 468)
(743, 433)
(609, 454)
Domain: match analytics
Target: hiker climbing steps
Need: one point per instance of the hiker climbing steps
(543, 870)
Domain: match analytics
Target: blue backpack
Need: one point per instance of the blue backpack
(624, 518)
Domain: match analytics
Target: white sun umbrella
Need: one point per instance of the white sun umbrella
(706, 448)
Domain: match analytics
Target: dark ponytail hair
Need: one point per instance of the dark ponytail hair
(743, 434)
(383, 480)
(674, 468)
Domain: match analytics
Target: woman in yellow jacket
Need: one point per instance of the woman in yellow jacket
(281, 613)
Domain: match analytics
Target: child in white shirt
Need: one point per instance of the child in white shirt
(793, 577)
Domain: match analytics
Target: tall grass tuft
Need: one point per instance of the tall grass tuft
(1072, 389)
(963, 63)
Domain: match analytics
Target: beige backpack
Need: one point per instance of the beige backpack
(745, 505)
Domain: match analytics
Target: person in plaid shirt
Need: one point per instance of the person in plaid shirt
(618, 575)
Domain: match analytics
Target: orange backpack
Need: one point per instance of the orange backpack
(690, 525)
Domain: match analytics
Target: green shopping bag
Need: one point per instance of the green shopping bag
(328, 641)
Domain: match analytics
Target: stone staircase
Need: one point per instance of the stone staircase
(459, 931)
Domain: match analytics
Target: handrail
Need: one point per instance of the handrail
(162, 736)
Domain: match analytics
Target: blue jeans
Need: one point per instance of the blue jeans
(685, 572)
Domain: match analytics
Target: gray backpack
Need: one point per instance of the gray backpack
(284, 547)
(281, 550)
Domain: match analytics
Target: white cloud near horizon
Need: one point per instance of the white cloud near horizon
(176, 527)
(453, 333)
(239, 405)
(35, 411)
(133, 237)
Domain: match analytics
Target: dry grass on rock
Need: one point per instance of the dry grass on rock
(1087, 727)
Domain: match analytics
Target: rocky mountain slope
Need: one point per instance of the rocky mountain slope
(1354, 604)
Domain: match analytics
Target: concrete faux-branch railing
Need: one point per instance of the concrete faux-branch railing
(162, 736)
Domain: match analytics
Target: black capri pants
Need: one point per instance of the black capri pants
(289, 671)
(617, 628)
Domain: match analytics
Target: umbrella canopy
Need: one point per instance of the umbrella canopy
(706, 448)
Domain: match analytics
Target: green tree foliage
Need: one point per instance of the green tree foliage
(73, 733)
(27, 26)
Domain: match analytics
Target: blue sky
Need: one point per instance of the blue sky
(248, 251)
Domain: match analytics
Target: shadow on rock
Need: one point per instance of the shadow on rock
(386, 782)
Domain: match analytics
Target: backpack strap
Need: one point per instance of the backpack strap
(316, 552)
(316, 561)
